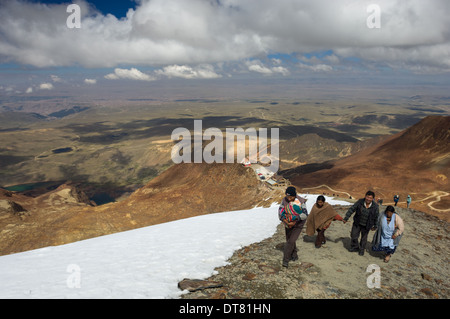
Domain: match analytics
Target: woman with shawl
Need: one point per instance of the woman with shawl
(319, 219)
(389, 232)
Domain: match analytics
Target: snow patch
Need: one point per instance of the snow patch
(143, 263)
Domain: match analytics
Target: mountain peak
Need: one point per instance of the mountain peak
(413, 162)
(432, 133)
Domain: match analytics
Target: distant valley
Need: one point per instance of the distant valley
(414, 162)
(97, 170)
(113, 149)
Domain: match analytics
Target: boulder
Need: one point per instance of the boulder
(9, 206)
(197, 284)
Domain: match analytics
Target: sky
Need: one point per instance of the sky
(45, 44)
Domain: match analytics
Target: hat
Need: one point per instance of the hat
(291, 191)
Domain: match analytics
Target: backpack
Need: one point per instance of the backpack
(292, 212)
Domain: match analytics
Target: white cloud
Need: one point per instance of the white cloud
(187, 72)
(56, 78)
(131, 74)
(333, 59)
(29, 90)
(257, 66)
(280, 69)
(46, 86)
(276, 61)
(316, 67)
(90, 81)
(159, 33)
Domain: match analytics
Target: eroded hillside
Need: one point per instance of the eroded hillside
(185, 190)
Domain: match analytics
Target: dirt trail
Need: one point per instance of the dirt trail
(326, 186)
(421, 201)
(438, 195)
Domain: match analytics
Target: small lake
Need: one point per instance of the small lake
(62, 150)
(35, 189)
(102, 198)
(32, 186)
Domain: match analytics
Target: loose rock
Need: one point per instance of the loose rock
(196, 284)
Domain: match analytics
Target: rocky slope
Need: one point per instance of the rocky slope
(65, 215)
(415, 161)
(313, 148)
(418, 269)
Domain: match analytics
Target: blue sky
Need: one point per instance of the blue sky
(161, 40)
(118, 8)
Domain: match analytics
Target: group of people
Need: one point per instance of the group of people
(397, 198)
(388, 226)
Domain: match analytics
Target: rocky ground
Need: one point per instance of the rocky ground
(418, 270)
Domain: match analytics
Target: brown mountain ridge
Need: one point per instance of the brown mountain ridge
(414, 162)
(65, 215)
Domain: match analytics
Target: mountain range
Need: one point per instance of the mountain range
(414, 161)
(66, 215)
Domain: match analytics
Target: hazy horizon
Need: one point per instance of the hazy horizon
(201, 49)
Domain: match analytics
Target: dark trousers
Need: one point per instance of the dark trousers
(292, 234)
(356, 231)
(320, 239)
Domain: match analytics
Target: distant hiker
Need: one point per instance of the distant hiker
(389, 232)
(294, 227)
(319, 219)
(396, 199)
(365, 219)
(408, 200)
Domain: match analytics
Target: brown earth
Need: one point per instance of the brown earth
(65, 215)
(415, 161)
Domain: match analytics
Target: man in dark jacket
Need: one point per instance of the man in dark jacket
(365, 219)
